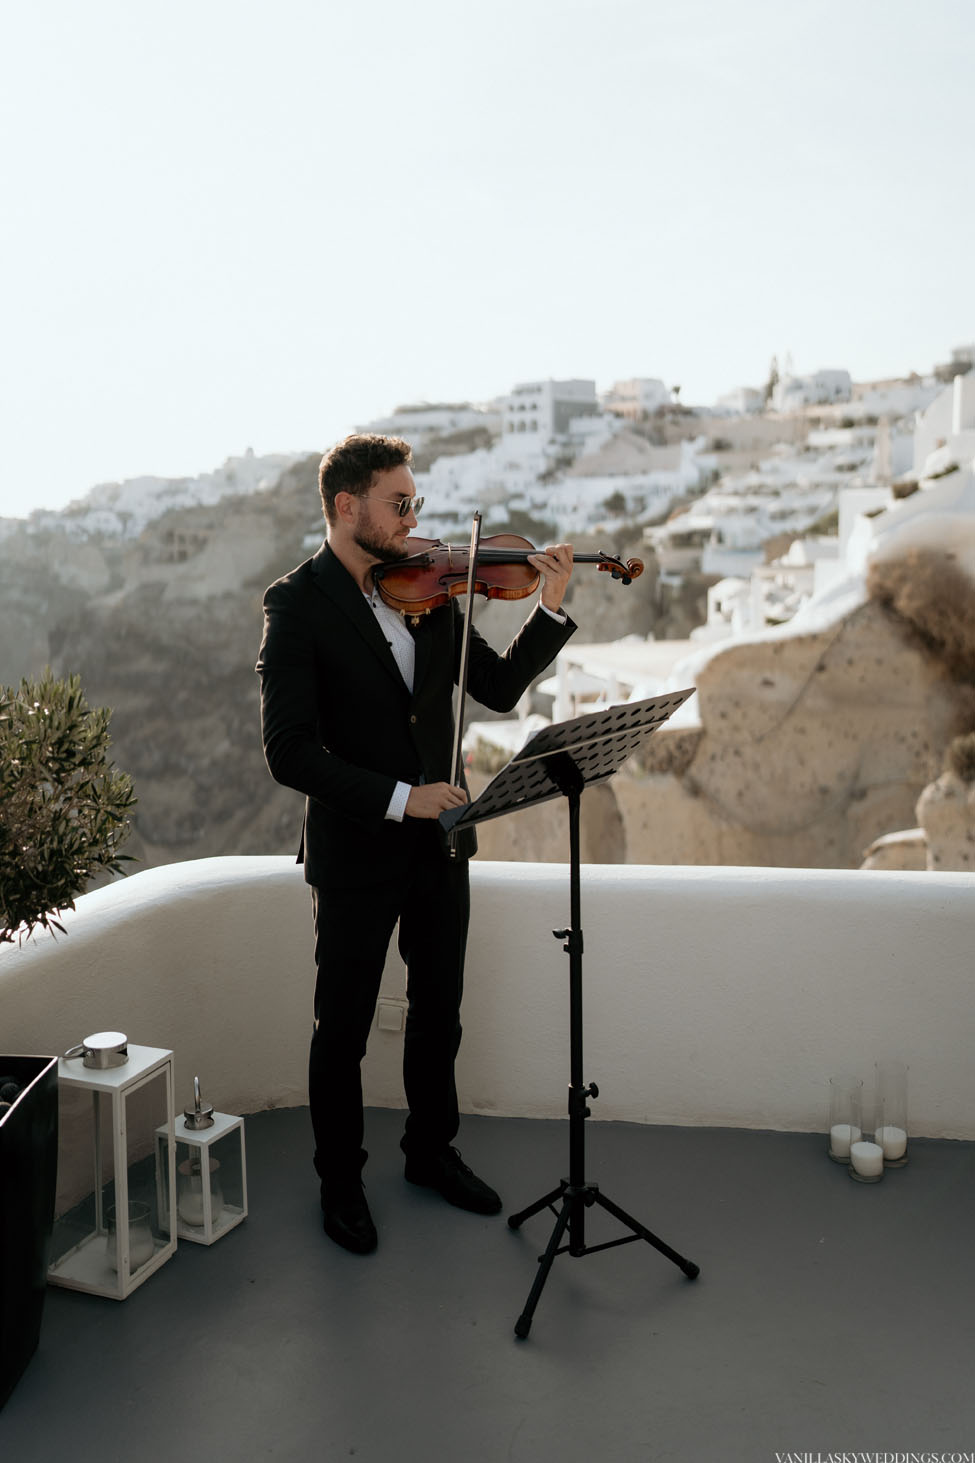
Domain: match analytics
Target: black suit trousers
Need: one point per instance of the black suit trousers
(353, 928)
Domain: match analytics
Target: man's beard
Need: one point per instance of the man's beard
(369, 538)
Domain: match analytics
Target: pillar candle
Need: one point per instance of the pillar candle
(867, 1159)
(841, 1135)
(893, 1140)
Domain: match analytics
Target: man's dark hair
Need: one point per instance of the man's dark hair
(351, 466)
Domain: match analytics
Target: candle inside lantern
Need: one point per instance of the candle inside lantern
(141, 1245)
(189, 1204)
(841, 1135)
(867, 1159)
(893, 1140)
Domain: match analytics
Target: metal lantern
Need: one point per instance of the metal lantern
(206, 1160)
(110, 1233)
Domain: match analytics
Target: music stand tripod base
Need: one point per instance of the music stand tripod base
(575, 1200)
(561, 761)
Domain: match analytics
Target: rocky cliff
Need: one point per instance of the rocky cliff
(165, 629)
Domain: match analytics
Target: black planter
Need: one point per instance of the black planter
(28, 1181)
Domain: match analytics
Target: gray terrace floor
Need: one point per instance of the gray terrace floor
(828, 1315)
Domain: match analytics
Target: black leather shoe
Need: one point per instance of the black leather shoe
(347, 1220)
(450, 1176)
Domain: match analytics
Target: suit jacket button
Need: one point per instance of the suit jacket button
(412, 721)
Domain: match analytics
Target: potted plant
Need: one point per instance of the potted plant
(64, 813)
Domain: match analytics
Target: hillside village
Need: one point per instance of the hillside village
(723, 491)
(758, 517)
(775, 504)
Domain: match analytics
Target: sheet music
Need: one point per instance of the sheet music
(599, 742)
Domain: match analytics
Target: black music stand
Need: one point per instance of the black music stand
(560, 761)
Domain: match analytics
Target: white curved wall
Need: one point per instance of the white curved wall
(712, 995)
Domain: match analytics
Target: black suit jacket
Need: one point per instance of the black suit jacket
(341, 727)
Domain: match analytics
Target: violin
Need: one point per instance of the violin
(434, 572)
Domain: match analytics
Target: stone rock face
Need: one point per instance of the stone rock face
(946, 812)
(906, 849)
(810, 747)
(815, 744)
(165, 630)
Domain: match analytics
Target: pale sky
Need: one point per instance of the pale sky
(232, 224)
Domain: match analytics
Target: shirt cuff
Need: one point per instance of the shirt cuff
(559, 616)
(397, 803)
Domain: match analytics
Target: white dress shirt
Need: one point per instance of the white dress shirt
(400, 642)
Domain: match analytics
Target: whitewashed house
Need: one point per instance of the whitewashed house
(536, 412)
(944, 434)
(419, 422)
(635, 399)
(820, 388)
(742, 401)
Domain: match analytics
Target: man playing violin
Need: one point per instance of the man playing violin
(357, 714)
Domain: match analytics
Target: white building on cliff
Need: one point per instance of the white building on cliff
(819, 389)
(537, 412)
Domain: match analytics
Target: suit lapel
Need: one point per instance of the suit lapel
(334, 580)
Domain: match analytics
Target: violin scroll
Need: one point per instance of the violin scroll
(626, 572)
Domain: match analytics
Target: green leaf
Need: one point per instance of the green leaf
(63, 806)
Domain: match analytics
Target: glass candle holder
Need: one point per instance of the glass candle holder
(189, 1190)
(891, 1131)
(845, 1125)
(141, 1246)
(866, 1161)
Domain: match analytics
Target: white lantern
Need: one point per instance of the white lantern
(208, 1156)
(110, 1234)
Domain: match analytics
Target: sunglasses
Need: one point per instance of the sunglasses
(402, 505)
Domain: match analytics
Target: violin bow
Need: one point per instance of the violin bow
(462, 674)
